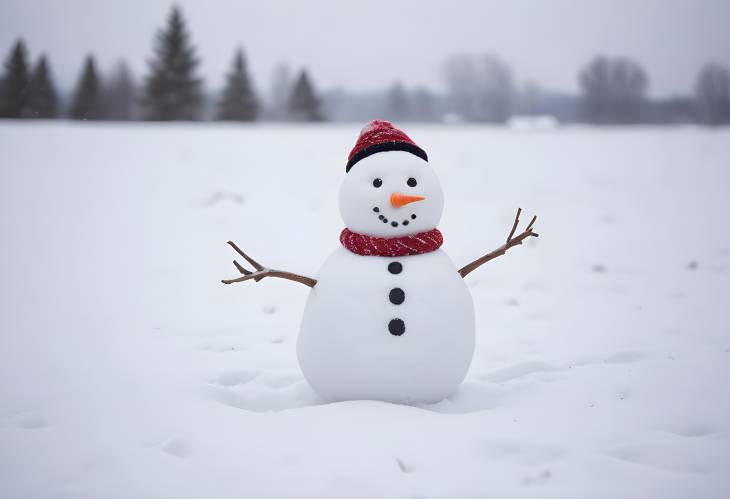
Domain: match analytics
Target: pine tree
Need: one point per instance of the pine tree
(303, 103)
(239, 101)
(86, 102)
(118, 96)
(172, 92)
(15, 84)
(42, 100)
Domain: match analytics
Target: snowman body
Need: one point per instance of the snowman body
(380, 326)
(397, 329)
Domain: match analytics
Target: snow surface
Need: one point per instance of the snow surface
(128, 371)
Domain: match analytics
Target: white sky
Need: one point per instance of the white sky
(366, 45)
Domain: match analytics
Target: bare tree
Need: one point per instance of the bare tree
(613, 90)
(712, 94)
(462, 83)
(480, 88)
(423, 105)
(397, 103)
(498, 89)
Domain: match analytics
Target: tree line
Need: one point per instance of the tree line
(171, 91)
(480, 88)
(613, 91)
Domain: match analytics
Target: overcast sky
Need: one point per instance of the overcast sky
(364, 45)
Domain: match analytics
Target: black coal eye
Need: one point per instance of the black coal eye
(377, 182)
(412, 182)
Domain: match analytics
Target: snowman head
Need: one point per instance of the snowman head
(389, 190)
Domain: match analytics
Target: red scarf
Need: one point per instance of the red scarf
(361, 244)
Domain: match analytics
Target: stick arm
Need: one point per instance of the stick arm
(262, 272)
(511, 243)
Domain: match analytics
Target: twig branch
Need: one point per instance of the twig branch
(532, 222)
(511, 243)
(250, 260)
(514, 225)
(262, 272)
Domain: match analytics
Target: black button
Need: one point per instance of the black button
(395, 267)
(397, 296)
(396, 327)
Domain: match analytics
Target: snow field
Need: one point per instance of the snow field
(128, 370)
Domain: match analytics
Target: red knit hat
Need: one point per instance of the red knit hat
(379, 136)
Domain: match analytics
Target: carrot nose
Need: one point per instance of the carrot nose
(398, 200)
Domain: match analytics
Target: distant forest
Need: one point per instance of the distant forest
(480, 88)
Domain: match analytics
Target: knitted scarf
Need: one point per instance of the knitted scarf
(361, 244)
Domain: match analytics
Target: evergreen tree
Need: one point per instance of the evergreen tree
(42, 100)
(118, 96)
(172, 92)
(15, 84)
(239, 101)
(304, 105)
(86, 102)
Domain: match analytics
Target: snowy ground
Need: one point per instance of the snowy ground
(128, 371)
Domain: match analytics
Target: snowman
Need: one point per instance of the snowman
(389, 316)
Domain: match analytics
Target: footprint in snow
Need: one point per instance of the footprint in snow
(264, 392)
(624, 357)
(521, 452)
(178, 447)
(471, 396)
(517, 371)
(405, 468)
(222, 196)
(277, 380)
(661, 456)
(221, 347)
(537, 478)
(32, 423)
(691, 430)
(234, 378)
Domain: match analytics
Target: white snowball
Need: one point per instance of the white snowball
(345, 349)
(358, 195)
